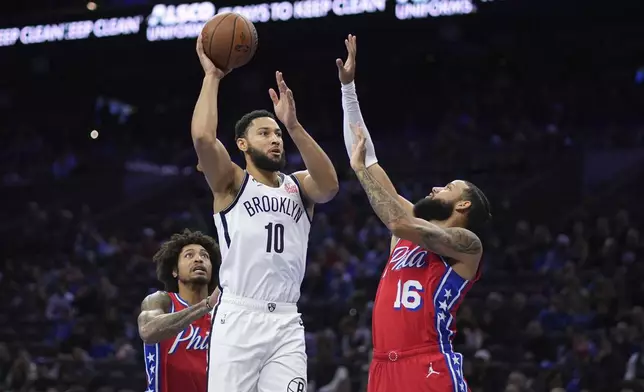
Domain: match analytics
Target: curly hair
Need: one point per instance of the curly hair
(167, 257)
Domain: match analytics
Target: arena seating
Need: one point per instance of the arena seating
(537, 125)
(559, 301)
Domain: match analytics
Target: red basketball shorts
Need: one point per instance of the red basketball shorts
(417, 370)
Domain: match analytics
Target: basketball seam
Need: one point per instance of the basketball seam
(232, 42)
(255, 37)
(214, 30)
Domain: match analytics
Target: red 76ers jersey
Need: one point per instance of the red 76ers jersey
(417, 299)
(179, 363)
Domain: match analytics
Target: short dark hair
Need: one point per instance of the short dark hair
(167, 257)
(242, 125)
(480, 215)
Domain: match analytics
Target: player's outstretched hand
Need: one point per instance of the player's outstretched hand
(284, 103)
(347, 69)
(359, 149)
(208, 66)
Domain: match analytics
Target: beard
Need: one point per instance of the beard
(196, 280)
(433, 209)
(264, 162)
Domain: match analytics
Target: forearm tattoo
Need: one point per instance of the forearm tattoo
(434, 237)
(385, 205)
(155, 325)
(455, 238)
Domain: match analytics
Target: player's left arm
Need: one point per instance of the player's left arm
(319, 181)
(453, 242)
(456, 243)
(156, 323)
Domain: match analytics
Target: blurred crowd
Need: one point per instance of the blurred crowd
(559, 308)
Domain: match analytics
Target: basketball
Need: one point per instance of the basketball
(229, 40)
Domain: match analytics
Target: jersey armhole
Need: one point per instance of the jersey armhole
(222, 213)
(305, 201)
(171, 301)
(237, 196)
(393, 243)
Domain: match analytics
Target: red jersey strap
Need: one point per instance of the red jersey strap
(173, 302)
(178, 303)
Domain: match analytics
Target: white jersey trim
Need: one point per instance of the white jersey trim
(222, 213)
(305, 201)
(250, 269)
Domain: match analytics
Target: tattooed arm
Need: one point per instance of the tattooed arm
(157, 324)
(453, 242)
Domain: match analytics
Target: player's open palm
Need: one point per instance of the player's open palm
(347, 69)
(283, 103)
(359, 149)
(207, 64)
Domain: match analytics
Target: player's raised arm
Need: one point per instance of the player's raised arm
(454, 242)
(157, 324)
(353, 115)
(320, 181)
(214, 160)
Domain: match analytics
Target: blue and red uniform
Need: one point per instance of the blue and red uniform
(179, 364)
(414, 317)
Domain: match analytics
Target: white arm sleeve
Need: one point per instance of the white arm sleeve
(352, 115)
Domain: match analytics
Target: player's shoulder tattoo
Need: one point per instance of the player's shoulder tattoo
(155, 301)
(464, 241)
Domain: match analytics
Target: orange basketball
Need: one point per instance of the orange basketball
(229, 40)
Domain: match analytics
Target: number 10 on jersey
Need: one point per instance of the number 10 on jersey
(408, 295)
(274, 238)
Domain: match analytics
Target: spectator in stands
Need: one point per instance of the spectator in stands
(22, 373)
(559, 305)
(327, 374)
(59, 304)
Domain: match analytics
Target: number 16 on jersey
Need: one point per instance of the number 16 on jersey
(408, 295)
